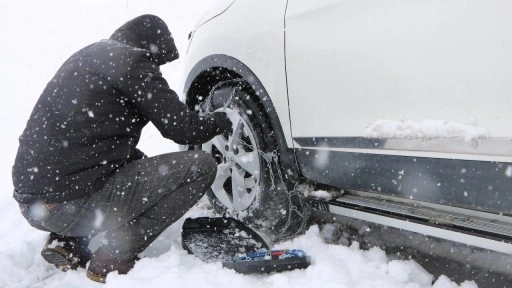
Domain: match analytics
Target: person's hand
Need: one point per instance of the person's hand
(222, 121)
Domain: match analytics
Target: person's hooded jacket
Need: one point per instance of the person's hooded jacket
(89, 118)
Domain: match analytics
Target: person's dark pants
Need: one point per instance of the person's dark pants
(138, 202)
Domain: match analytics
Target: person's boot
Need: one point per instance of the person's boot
(65, 252)
(103, 263)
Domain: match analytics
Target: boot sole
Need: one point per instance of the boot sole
(96, 277)
(59, 258)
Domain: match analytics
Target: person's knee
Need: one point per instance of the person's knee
(207, 164)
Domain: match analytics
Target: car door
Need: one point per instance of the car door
(354, 65)
(404, 98)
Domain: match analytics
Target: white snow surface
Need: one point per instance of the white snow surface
(37, 36)
(426, 129)
(322, 194)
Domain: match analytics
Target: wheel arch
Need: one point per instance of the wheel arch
(217, 68)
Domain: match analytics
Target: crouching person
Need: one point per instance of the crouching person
(78, 172)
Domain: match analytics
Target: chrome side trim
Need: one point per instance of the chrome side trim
(450, 235)
(439, 207)
(416, 154)
(487, 146)
(432, 215)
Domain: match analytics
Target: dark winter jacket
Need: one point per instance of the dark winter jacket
(89, 118)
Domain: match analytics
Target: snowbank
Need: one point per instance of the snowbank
(169, 265)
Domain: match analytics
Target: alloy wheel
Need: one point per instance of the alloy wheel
(237, 182)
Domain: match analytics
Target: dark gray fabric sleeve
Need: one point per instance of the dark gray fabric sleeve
(145, 87)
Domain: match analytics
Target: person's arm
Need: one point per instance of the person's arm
(150, 93)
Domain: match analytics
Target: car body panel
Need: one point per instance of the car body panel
(396, 60)
(478, 185)
(252, 33)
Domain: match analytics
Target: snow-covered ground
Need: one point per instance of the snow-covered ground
(36, 37)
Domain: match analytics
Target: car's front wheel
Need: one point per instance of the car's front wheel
(250, 185)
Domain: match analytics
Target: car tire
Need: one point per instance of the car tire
(250, 185)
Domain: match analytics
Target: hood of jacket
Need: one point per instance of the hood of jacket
(149, 32)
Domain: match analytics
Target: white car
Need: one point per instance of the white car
(404, 106)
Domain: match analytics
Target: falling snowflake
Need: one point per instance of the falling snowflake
(508, 171)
